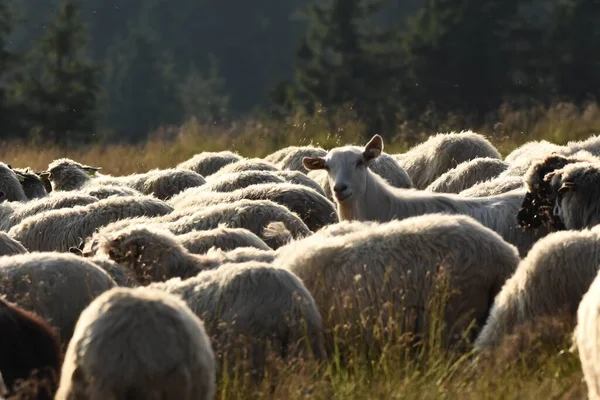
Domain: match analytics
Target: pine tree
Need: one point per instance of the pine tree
(341, 61)
(59, 91)
(8, 60)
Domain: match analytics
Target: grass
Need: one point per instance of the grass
(534, 363)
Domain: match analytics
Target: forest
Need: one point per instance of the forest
(80, 71)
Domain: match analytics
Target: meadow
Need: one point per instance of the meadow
(534, 363)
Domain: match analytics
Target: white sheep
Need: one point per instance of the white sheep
(138, 342)
(224, 238)
(58, 230)
(586, 337)
(251, 308)
(55, 286)
(392, 266)
(467, 174)
(208, 162)
(293, 159)
(66, 174)
(427, 161)
(494, 187)
(552, 279)
(364, 196)
(12, 213)
(300, 178)
(246, 164)
(315, 210)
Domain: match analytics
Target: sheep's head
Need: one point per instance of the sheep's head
(144, 250)
(577, 190)
(536, 209)
(66, 174)
(347, 168)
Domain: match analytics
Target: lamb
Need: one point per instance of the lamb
(250, 308)
(12, 213)
(427, 161)
(10, 184)
(157, 349)
(208, 163)
(55, 286)
(386, 167)
(363, 273)
(494, 187)
(29, 351)
(293, 159)
(33, 185)
(315, 210)
(585, 337)
(246, 164)
(224, 238)
(58, 230)
(552, 279)
(9, 246)
(66, 174)
(364, 196)
(467, 174)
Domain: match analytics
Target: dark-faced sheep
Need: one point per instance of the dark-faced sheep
(427, 161)
(138, 343)
(10, 184)
(29, 351)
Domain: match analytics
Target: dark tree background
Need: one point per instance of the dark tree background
(74, 71)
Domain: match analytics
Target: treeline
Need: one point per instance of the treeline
(75, 71)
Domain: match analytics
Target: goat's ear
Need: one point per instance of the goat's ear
(374, 148)
(91, 170)
(313, 163)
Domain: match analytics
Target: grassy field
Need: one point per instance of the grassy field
(534, 363)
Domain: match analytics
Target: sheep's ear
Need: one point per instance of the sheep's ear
(566, 186)
(313, 163)
(92, 170)
(548, 177)
(373, 149)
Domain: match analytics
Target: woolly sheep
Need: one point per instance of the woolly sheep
(238, 180)
(105, 191)
(139, 342)
(154, 254)
(532, 150)
(56, 286)
(207, 162)
(427, 161)
(246, 164)
(467, 174)
(386, 167)
(224, 238)
(586, 338)
(254, 215)
(122, 276)
(315, 210)
(364, 196)
(12, 213)
(33, 185)
(268, 307)
(58, 230)
(293, 160)
(364, 270)
(67, 174)
(277, 156)
(10, 184)
(29, 351)
(9, 246)
(552, 278)
(246, 254)
(299, 178)
(494, 187)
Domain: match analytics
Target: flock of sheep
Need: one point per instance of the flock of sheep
(150, 285)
